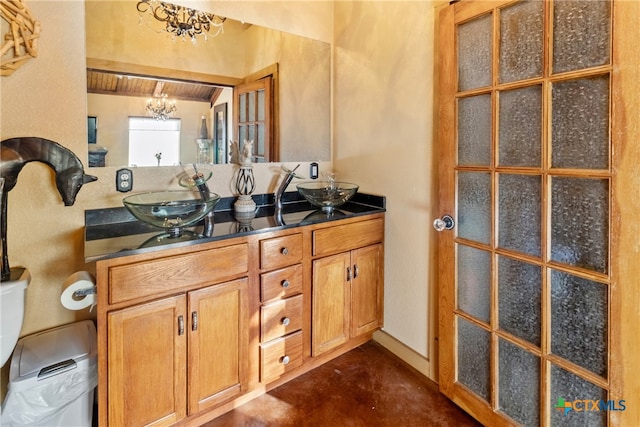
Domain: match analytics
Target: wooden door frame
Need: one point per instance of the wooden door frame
(272, 71)
(625, 209)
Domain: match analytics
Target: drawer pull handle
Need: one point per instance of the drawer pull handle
(194, 320)
(285, 360)
(285, 284)
(180, 325)
(285, 321)
(284, 251)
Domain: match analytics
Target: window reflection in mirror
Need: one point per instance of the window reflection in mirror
(154, 142)
(301, 124)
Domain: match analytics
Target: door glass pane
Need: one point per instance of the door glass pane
(252, 106)
(579, 321)
(474, 282)
(519, 298)
(519, 384)
(242, 107)
(474, 130)
(519, 223)
(242, 133)
(521, 41)
(473, 357)
(580, 123)
(261, 102)
(580, 222)
(474, 53)
(581, 34)
(567, 388)
(520, 130)
(260, 136)
(252, 134)
(474, 206)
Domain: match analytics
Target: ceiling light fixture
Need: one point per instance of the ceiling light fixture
(160, 107)
(181, 21)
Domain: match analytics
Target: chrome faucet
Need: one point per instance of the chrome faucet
(280, 193)
(199, 181)
(284, 184)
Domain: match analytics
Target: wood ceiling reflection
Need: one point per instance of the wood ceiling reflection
(117, 84)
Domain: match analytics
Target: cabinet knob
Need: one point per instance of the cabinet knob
(284, 251)
(285, 283)
(285, 360)
(285, 321)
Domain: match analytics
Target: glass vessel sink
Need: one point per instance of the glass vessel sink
(327, 194)
(171, 210)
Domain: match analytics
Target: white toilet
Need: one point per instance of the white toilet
(53, 373)
(12, 298)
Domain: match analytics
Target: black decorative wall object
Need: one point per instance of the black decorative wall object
(15, 153)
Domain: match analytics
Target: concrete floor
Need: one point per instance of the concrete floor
(368, 386)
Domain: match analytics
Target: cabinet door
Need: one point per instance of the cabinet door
(146, 364)
(331, 302)
(366, 289)
(218, 343)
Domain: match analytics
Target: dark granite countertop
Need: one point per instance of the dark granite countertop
(114, 232)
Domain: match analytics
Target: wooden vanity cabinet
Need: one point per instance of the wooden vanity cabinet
(186, 334)
(147, 364)
(172, 357)
(218, 341)
(347, 287)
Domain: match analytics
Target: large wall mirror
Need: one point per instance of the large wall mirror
(130, 57)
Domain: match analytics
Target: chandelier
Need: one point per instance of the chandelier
(181, 21)
(159, 107)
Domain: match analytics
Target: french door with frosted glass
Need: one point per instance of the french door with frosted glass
(539, 120)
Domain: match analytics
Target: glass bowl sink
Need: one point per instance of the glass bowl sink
(327, 194)
(170, 210)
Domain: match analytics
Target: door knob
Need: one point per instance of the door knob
(444, 223)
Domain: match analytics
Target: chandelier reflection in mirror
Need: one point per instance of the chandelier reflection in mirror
(160, 107)
(181, 21)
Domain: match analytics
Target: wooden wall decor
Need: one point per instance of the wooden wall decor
(20, 43)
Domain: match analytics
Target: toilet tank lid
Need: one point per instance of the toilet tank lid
(33, 353)
(19, 284)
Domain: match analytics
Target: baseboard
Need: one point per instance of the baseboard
(407, 354)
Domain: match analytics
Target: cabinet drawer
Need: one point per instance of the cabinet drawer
(280, 318)
(280, 356)
(164, 275)
(281, 283)
(346, 237)
(280, 251)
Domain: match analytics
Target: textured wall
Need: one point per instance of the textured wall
(384, 140)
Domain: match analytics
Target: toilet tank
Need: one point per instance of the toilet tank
(12, 299)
